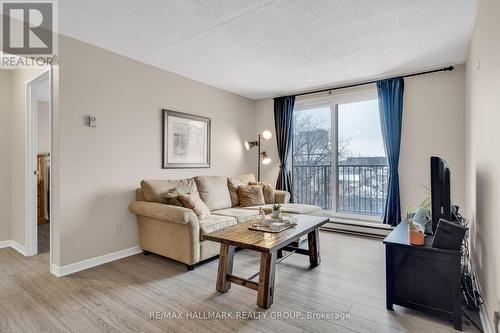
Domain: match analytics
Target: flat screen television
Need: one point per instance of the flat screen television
(440, 191)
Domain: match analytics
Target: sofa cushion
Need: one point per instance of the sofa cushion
(281, 197)
(154, 190)
(292, 208)
(242, 215)
(234, 182)
(213, 191)
(193, 201)
(216, 222)
(232, 185)
(250, 195)
(267, 190)
(172, 197)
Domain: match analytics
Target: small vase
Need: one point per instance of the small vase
(276, 214)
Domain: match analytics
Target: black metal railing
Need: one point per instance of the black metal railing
(361, 189)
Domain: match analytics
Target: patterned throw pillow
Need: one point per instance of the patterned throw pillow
(250, 195)
(268, 190)
(194, 202)
(172, 197)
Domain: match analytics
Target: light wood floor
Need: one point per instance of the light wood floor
(119, 296)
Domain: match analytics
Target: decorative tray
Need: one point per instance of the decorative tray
(280, 225)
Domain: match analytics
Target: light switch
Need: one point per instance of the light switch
(92, 121)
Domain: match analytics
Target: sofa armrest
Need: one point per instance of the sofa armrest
(164, 212)
(281, 197)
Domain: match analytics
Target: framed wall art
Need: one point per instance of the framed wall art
(186, 140)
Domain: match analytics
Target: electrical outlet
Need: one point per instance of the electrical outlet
(118, 228)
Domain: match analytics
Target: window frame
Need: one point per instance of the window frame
(333, 101)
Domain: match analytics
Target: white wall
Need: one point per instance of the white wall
(433, 124)
(5, 116)
(483, 153)
(99, 168)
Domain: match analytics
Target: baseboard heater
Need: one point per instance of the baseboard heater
(366, 229)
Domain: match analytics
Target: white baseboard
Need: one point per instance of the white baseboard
(61, 271)
(4, 244)
(15, 245)
(19, 248)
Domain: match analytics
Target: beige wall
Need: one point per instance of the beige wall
(43, 119)
(433, 124)
(18, 152)
(12, 153)
(5, 115)
(483, 154)
(99, 168)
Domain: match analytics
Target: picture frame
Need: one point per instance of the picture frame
(186, 140)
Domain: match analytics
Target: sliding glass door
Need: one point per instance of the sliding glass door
(339, 162)
(312, 156)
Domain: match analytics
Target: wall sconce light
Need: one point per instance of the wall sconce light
(266, 135)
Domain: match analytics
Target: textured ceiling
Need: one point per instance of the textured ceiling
(265, 48)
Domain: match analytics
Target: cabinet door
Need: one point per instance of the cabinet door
(423, 278)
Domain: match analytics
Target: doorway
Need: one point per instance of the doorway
(39, 149)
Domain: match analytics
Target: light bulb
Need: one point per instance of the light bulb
(265, 159)
(267, 134)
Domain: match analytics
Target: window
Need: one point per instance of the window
(312, 156)
(338, 157)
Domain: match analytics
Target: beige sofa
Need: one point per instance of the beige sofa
(175, 232)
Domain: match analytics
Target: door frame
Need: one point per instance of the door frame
(31, 164)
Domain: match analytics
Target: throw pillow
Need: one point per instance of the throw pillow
(172, 197)
(268, 190)
(250, 195)
(232, 184)
(154, 189)
(194, 202)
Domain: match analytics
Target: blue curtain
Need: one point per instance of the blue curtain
(390, 99)
(283, 112)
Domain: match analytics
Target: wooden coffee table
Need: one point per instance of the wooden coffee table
(268, 244)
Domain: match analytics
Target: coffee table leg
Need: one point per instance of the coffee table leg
(313, 240)
(265, 292)
(225, 267)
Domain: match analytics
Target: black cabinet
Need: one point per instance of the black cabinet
(422, 278)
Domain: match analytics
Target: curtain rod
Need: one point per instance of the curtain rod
(445, 69)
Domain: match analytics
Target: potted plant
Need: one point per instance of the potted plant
(276, 214)
(418, 220)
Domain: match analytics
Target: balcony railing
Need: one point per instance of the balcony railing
(361, 189)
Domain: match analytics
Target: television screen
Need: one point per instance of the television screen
(440, 191)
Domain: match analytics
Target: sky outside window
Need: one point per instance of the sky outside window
(359, 123)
